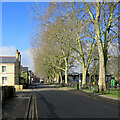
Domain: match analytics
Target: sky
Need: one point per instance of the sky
(17, 28)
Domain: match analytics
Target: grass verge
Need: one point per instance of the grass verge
(114, 92)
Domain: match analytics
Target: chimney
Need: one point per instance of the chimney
(19, 57)
(16, 54)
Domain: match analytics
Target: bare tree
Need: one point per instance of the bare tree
(54, 47)
(73, 36)
(91, 22)
(103, 16)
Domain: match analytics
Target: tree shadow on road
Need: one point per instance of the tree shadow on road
(50, 107)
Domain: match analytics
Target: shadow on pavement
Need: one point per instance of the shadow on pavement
(15, 107)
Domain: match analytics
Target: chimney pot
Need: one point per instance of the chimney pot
(19, 56)
(16, 54)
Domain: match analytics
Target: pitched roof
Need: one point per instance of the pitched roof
(7, 59)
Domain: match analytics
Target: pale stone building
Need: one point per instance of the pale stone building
(10, 70)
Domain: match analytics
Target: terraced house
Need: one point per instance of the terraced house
(10, 70)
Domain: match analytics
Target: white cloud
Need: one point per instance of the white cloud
(26, 56)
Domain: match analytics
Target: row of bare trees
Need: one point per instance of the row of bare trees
(67, 32)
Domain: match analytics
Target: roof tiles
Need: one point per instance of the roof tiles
(7, 59)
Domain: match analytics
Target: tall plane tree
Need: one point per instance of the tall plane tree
(103, 16)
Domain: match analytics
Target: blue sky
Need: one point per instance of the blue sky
(16, 24)
(17, 28)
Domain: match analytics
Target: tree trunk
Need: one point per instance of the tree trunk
(84, 77)
(90, 79)
(66, 76)
(57, 78)
(60, 77)
(102, 78)
(106, 51)
(95, 78)
(66, 70)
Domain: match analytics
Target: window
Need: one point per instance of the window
(4, 80)
(3, 68)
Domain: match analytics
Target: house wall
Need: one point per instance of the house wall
(17, 73)
(9, 73)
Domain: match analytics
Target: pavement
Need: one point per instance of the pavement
(15, 107)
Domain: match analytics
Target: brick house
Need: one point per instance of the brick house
(10, 70)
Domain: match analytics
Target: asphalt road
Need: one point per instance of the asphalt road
(55, 103)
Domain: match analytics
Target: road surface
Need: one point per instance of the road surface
(53, 102)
